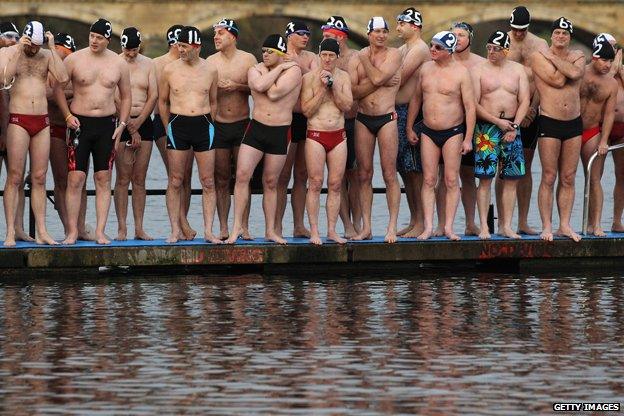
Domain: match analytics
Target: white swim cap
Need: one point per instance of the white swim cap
(34, 32)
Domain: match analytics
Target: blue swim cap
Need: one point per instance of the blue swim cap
(446, 39)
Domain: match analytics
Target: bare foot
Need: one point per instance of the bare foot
(87, 234)
(142, 235)
(275, 238)
(223, 233)
(390, 237)
(211, 238)
(405, 230)
(349, 231)
(413, 233)
(44, 238)
(9, 241)
(20, 235)
(617, 228)
(568, 232)
(189, 233)
(599, 232)
(316, 239)
(472, 230)
(426, 234)
(508, 232)
(526, 230)
(233, 236)
(70, 239)
(452, 236)
(439, 232)
(333, 236)
(301, 233)
(546, 235)
(245, 235)
(101, 238)
(363, 235)
(173, 238)
(122, 235)
(485, 234)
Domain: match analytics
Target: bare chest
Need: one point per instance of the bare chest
(85, 75)
(139, 76)
(232, 71)
(491, 82)
(36, 67)
(592, 90)
(440, 82)
(194, 82)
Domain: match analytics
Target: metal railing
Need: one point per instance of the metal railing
(588, 183)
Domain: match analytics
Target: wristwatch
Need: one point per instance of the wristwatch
(515, 126)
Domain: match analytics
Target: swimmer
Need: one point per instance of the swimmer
(558, 75)
(95, 73)
(28, 132)
(350, 212)
(377, 64)
(186, 109)
(233, 118)
(443, 82)
(275, 85)
(325, 96)
(502, 93)
(598, 97)
(414, 53)
(135, 147)
(297, 38)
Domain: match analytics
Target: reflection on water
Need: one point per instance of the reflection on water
(484, 344)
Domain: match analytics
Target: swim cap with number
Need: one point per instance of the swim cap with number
(102, 27)
(410, 15)
(190, 35)
(520, 18)
(603, 50)
(172, 34)
(376, 22)
(330, 45)
(562, 23)
(275, 42)
(130, 38)
(227, 24)
(604, 37)
(336, 23)
(65, 40)
(34, 31)
(499, 38)
(8, 27)
(446, 39)
(296, 27)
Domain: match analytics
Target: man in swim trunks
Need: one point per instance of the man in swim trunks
(523, 44)
(173, 54)
(414, 53)
(350, 212)
(135, 147)
(9, 35)
(233, 117)
(96, 73)
(443, 83)
(65, 46)
(558, 74)
(598, 97)
(502, 93)
(28, 132)
(463, 54)
(377, 64)
(275, 85)
(325, 96)
(186, 108)
(297, 36)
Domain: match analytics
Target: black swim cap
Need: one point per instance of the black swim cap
(562, 23)
(410, 15)
(275, 42)
(229, 25)
(65, 40)
(336, 22)
(520, 18)
(295, 26)
(102, 27)
(172, 34)
(190, 35)
(603, 50)
(8, 27)
(330, 45)
(130, 38)
(499, 38)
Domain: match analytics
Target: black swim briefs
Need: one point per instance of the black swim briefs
(159, 128)
(349, 127)
(559, 129)
(375, 123)
(229, 135)
(440, 137)
(146, 131)
(184, 132)
(298, 127)
(95, 138)
(268, 139)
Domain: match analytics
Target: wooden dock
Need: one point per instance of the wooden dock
(496, 254)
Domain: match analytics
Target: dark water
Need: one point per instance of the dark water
(483, 344)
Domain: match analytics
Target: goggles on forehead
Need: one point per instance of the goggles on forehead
(407, 18)
(302, 32)
(494, 48)
(462, 25)
(271, 51)
(10, 35)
